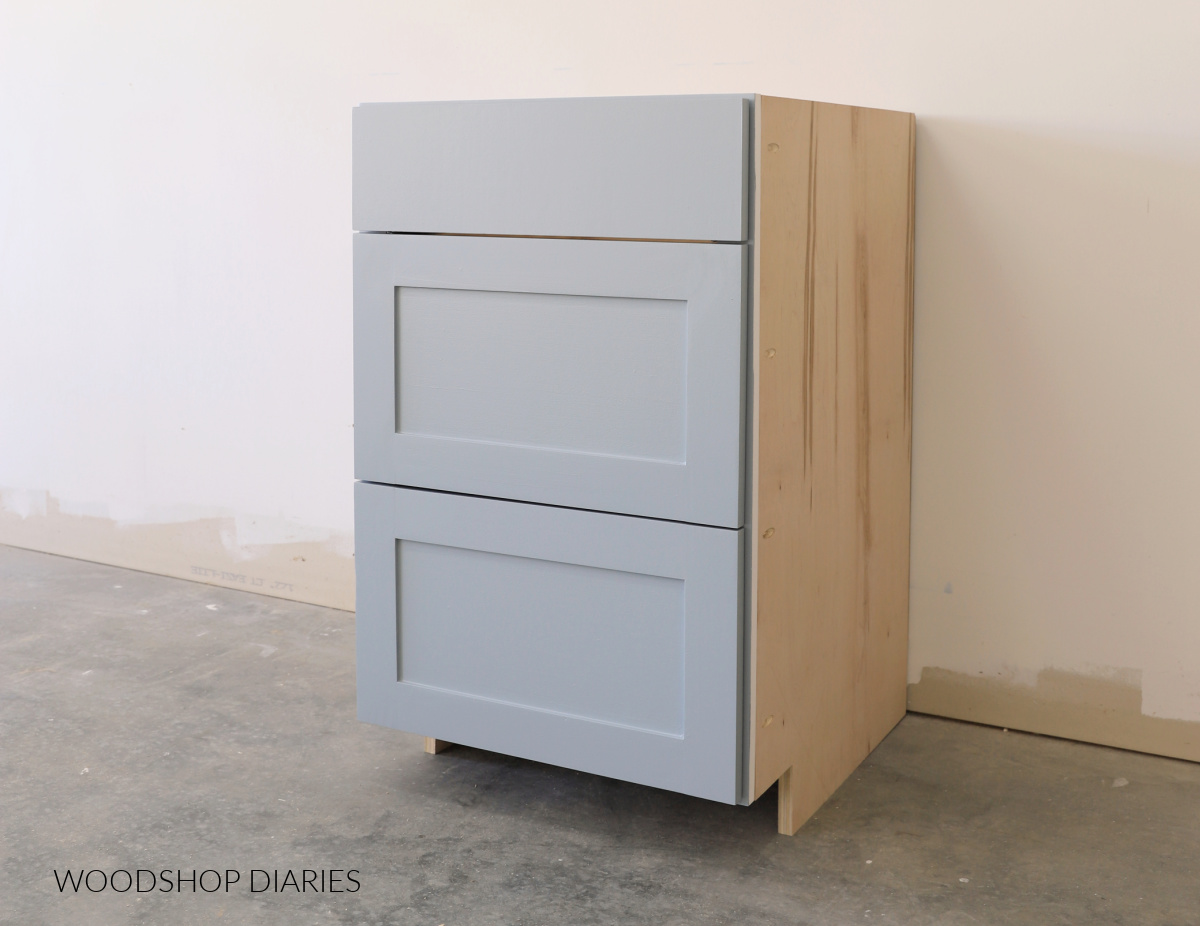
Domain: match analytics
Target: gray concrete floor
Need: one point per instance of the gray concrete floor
(154, 723)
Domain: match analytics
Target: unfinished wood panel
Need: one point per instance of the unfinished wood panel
(832, 394)
(434, 746)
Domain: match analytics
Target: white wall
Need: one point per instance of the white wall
(175, 286)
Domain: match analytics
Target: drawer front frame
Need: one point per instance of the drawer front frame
(704, 487)
(704, 759)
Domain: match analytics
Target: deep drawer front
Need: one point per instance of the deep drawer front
(597, 642)
(590, 374)
(617, 167)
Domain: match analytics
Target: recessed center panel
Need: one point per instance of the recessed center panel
(596, 643)
(592, 374)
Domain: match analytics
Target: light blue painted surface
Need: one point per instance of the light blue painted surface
(540, 634)
(623, 658)
(606, 375)
(592, 374)
(672, 167)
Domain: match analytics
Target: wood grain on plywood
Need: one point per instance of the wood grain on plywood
(831, 434)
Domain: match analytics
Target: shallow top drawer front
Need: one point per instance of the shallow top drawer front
(615, 167)
(591, 374)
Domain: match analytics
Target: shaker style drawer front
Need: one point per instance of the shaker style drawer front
(634, 167)
(605, 375)
(598, 642)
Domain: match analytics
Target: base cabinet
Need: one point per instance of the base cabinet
(633, 385)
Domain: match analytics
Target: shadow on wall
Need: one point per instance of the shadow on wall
(1056, 438)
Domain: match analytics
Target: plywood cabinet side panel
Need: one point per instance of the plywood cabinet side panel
(884, 188)
(831, 443)
(777, 426)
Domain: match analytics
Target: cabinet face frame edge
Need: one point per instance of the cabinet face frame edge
(831, 372)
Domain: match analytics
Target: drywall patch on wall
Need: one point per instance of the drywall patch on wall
(24, 502)
(1103, 708)
(214, 550)
(1173, 690)
(245, 536)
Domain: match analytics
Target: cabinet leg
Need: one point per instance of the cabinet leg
(785, 804)
(796, 803)
(434, 746)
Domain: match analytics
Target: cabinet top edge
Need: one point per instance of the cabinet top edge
(752, 97)
(877, 109)
(562, 99)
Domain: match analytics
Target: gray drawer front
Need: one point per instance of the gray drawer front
(605, 375)
(591, 641)
(616, 167)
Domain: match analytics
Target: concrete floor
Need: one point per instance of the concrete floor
(154, 723)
